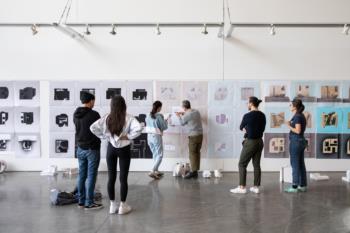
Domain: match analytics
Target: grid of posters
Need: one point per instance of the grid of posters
(20, 118)
(221, 103)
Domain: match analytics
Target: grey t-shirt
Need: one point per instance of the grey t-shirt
(192, 120)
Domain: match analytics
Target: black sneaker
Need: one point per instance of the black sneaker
(191, 175)
(81, 206)
(94, 206)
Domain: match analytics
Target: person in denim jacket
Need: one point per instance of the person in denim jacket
(155, 125)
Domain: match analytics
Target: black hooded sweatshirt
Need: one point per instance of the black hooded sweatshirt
(84, 117)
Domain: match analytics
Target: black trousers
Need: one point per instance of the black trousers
(124, 156)
(252, 149)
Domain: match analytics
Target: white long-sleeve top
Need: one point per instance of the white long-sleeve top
(132, 129)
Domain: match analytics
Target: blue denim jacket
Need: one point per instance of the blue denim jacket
(156, 125)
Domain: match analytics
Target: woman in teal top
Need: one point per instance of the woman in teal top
(155, 125)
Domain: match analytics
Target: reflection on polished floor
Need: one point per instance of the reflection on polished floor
(177, 205)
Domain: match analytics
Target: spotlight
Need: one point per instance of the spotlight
(272, 30)
(34, 29)
(221, 32)
(68, 30)
(205, 32)
(346, 29)
(229, 32)
(87, 31)
(113, 32)
(158, 32)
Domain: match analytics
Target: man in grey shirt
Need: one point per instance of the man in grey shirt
(191, 118)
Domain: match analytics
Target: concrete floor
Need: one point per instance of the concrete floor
(176, 205)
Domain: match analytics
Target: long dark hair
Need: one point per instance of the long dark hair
(254, 101)
(156, 106)
(298, 104)
(116, 118)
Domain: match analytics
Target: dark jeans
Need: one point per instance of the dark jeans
(194, 146)
(252, 149)
(296, 149)
(89, 161)
(124, 156)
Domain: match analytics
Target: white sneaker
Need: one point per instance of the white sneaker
(113, 207)
(254, 190)
(124, 208)
(239, 190)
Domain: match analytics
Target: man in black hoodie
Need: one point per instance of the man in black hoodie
(88, 151)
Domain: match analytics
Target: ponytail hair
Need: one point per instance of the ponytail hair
(298, 104)
(254, 101)
(155, 107)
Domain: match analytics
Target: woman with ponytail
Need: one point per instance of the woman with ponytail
(297, 145)
(155, 125)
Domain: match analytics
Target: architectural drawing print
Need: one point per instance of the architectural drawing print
(221, 93)
(329, 120)
(304, 90)
(276, 145)
(327, 146)
(329, 92)
(277, 91)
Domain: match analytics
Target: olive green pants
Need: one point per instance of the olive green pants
(195, 145)
(252, 149)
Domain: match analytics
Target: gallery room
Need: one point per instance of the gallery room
(174, 116)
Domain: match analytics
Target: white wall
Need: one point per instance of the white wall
(178, 54)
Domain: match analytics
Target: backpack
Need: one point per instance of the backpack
(62, 198)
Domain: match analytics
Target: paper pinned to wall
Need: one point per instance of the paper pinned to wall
(110, 89)
(62, 145)
(27, 93)
(27, 119)
(221, 93)
(62, 93)
(90, 87)
(7, 93)
(27, 145)
(196, 93)
(139, 93)
(276, 91)
(6, 143)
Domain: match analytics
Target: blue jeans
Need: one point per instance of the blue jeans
(155, 143)
(296, 149)
(89, 161)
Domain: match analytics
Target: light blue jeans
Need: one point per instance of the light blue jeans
(155, 143)
(89, 161)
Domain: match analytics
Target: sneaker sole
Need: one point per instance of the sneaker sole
(237, 193)
(125, 212)
(94, 208)
(154, 177)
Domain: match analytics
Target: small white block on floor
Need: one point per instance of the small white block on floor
(318, 177)
(286, 174)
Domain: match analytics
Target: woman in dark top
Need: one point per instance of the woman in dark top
(297, 145)
(253, 124)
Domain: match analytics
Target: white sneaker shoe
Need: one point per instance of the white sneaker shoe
(239, 190)
(254, 190)
(124, 208)
(113, 207)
